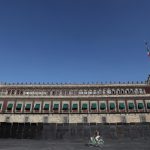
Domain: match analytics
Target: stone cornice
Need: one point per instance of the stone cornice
(80, 96)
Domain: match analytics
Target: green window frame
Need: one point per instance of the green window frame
(148, 105)
(56, 106)
(0, 106)
(9, 106)
(28, 107)
(46, 106)
(65, 106)
(102, 106)
(75, 106)
(94, 106)
(19, 106)
(37, 107)
(121, 106)
(140, 106)
(131, 106)
(112, 106)
(84, 106)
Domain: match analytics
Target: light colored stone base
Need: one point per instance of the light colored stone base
(74, 118)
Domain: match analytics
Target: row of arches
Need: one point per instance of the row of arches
(69, 92)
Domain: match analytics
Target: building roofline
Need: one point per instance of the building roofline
(76, 85)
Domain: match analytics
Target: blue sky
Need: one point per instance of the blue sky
(74, 40)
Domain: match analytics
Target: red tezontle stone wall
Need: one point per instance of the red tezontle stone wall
(147, 89)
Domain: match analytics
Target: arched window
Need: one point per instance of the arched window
(126, 91)
(67, 92)
(136, 91)
(21, 92)
(53, 93)
(48, 93)
(122, 91)
(104, 91)
(12, 92)
(63, 92)
(118, 91)
(131, 91)
(71, 92)
(80, 92)
(85, 92)
(113, 91)
(9, 92)
(144, 92)
(57, 92)
(90, 92)
(140, 91)
(94, 92)
(76, 92)
(18, 92)
(108, 91)
(99, 91)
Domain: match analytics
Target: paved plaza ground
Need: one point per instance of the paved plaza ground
(114, 144)
(51, 137)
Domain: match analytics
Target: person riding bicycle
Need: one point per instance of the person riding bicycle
(97, 135)
(96, 140)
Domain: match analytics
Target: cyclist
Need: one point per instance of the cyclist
(97, 135)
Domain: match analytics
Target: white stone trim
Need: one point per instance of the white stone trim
(73, 118)
(78, 96)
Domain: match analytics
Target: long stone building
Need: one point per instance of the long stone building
(75, 103)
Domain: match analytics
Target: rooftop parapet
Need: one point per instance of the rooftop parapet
(44, 84)
(78, 84)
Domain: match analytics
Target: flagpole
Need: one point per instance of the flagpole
(147, 48)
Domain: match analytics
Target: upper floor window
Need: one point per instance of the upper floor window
(108, 91)
(90, 92)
